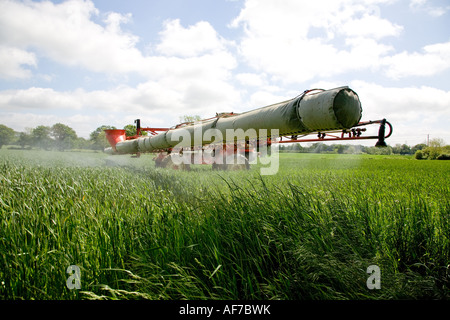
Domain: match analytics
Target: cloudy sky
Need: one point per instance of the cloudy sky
(86, 63)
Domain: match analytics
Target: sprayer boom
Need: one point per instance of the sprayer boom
(334, 115)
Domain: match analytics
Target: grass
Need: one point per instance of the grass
(309, 232)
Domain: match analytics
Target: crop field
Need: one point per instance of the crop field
(313, 231)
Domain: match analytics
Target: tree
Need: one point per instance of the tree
(418, 147)
(130, 131)
(396, 148)
(40, 137)
(64, 136)
(435, 150)
(405, 149)
(339, 148)
(418, 155)
(296, 147)
(436, 143)
(25, 139)
(6, 135)
(81, 143)
(317, 147)
(188, 118)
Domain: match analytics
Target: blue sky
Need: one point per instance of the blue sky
(94, 62)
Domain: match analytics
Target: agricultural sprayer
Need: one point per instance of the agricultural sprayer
(233, 140)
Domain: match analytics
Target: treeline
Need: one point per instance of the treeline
(57, 137)
(436, 149)
(351, 149)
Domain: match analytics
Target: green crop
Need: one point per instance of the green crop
(137, 232)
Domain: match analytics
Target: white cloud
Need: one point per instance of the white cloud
(37, 99)
(66, 33)
(165, 99)
(27, 120)
(84, 111)
(371, 26)
(433, 60)
(263, 98)
(380, 101)
(297, 41)
(413, 111)
(194, 40)
(423, 6)
(251, 79)
(12, 61)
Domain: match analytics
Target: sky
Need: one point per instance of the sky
(87, 63)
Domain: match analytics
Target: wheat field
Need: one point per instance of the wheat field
(310, 232)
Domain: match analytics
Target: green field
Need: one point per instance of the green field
(309, 232)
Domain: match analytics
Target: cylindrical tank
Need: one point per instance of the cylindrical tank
(333, 109)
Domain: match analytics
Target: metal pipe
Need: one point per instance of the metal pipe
(326, 110)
